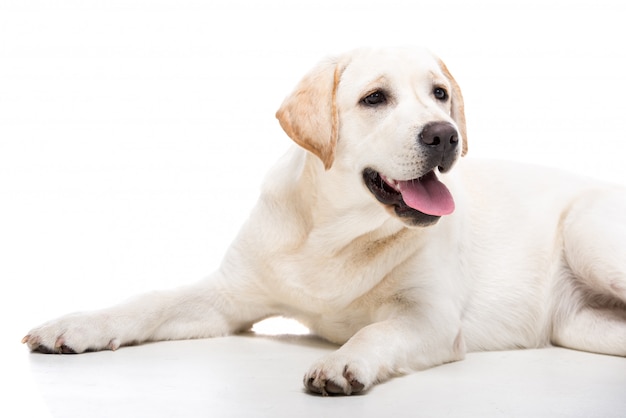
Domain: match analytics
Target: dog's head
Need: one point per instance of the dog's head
(392, 117)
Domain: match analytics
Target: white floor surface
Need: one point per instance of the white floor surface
(260, 376)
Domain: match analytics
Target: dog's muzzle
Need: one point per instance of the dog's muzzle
(423, 200)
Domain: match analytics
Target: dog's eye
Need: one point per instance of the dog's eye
(440, 94)
(375, 99)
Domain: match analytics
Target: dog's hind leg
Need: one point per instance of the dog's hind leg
(592, 316)
(593, 329)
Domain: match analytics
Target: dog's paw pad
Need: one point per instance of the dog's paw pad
(345, 383)
(74, 333)
(61, 347)
(354, 383)
(34, 344)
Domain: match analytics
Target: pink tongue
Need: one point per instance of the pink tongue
(428, 195)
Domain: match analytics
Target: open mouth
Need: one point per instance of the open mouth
(425, 195)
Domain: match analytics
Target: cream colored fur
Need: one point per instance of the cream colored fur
(530, 257)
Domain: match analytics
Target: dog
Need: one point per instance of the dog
(378, 234)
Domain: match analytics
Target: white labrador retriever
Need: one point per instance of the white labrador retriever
(367, 235)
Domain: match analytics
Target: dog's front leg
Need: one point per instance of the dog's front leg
(384, 349)
(210, 308)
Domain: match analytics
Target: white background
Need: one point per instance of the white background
(134, 134)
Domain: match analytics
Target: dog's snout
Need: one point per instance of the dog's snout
(441, 135)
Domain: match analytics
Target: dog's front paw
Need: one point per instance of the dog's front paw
(338, 375)
(72, 334)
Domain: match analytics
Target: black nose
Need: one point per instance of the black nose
(439, 140)
(440, 135)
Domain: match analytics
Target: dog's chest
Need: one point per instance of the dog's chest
(321, 279)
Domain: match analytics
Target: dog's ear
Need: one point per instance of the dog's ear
(458, 108)
(310, 116)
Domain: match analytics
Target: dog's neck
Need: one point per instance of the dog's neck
(339, 208)
(318, 235)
